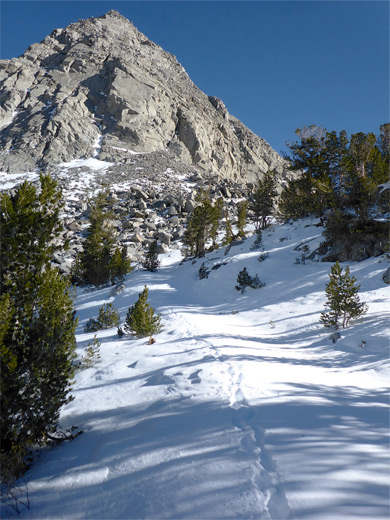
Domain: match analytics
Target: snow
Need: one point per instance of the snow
(385, 186)
(91, 163)
(10, 180)
(97, 146)
(8, 120)
(131, 152)
(242, 408)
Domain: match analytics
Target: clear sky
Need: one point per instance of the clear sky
(277, 65)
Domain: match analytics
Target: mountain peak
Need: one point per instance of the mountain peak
(102, 81)
(113, 14)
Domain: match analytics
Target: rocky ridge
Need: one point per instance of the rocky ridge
(101, 88)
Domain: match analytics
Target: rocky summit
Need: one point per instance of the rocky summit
(100, 88)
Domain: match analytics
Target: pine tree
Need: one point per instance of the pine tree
(262, 201)
(312, 191)
(108, 317)
(202, 226)
(141, 320)
(242, 208)
(228, 238)
(244, 280)
(342, 299)
(101, 261)
(119, 265)
(151, 261)
(37, 333)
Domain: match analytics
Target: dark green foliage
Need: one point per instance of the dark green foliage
(151, 261)
(258, 241)
(262, 201)
(202, 226)
(337, 226)
(203, 272)
(343, 228)
(307, 154)
(336, 172)
(29, 220)
(244, 280)
(342, 299)
(229, 237)
(119, 265)
(304, 196)
(101, 261)
(37, 332)
(242, 208)
(141, 320)
(108, 317)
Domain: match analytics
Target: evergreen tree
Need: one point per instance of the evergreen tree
(229, 237)
(202, 226)
(262, 201)
(384, 141)
(141, 320)
(336, 172)
(108, 317)
(119, 265)
(312, 191)
(29, 221)
(304, 196)
(335, 151)
(242, 208)
(360, 186)
(37, 333)
(101, 261)
(244, 280)
(151, 261)
(342, 299)
(216, 217)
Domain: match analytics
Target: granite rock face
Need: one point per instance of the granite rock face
(99, 88)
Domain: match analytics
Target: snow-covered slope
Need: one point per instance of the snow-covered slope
(243, 408)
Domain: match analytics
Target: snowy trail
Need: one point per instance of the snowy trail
(241, 409)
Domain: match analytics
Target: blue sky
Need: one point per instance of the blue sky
(276, 65)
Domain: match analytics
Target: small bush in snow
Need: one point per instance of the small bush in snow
(120, 332)
(244, 280)
(304, 253)
(263, 257)
(92, 354)
(258, 241)
(256, 283)
(203, 272)
(108, 317)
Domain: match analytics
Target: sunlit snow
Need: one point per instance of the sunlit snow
(243, 408)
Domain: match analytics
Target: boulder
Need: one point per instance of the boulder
(164, 238)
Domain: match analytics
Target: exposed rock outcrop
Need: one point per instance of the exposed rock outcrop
(99, 88)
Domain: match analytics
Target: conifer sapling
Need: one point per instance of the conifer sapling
(141, 319)
(151, 261)
(342, 299)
